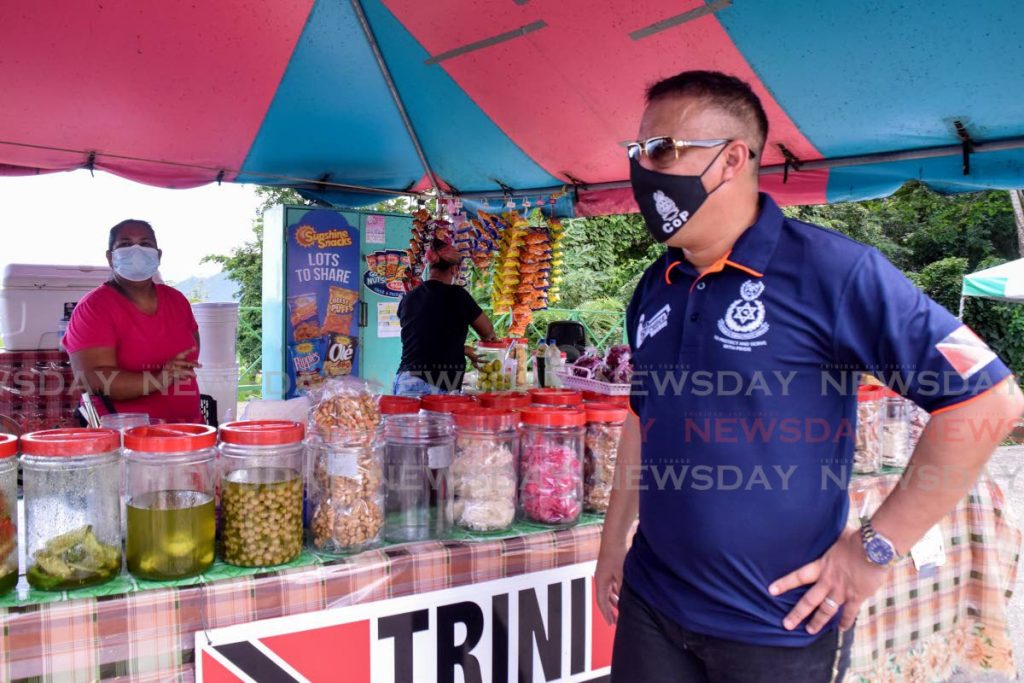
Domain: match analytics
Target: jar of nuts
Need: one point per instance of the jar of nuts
(261, 492)
(346, 490)
(601, 447)
(346, 477)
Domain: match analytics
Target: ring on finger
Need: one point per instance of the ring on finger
(831, 603)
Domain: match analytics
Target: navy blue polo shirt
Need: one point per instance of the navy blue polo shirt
(745, 388)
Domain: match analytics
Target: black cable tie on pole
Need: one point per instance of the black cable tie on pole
(220, 177)
(791, 161)
(90, 163)
(321, 183)
(966, 144)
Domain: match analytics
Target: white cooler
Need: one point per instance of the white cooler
(33, 299)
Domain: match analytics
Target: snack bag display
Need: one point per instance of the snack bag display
(307, 360)
(302, 311)
(341, 304)
(339, 355)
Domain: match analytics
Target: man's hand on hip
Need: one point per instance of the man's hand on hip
(842, 577)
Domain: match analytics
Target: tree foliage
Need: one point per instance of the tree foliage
(934, 239)
(244, 265)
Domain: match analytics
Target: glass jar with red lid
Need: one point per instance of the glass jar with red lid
(551, 464)
(483, 473)
(565, 398)
(444, 403)
(506, 400)
(261, 492)
(604, 429)
(71, 485)
(399, 405)
(171, 518)
(8, 513)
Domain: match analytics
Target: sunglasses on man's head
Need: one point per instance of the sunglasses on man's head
(663, 150)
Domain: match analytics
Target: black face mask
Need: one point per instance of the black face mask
(667, 201)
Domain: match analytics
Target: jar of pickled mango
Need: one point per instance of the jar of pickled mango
(71, 486)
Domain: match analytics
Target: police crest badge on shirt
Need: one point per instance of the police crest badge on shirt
(744, 321)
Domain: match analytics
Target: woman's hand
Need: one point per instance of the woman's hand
(177, 369)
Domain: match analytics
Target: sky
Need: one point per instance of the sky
(64, 219)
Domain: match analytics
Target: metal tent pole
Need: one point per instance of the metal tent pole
(357, 7)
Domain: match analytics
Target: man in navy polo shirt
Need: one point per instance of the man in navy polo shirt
(748, 336)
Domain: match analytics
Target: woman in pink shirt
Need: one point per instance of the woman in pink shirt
(136, 341)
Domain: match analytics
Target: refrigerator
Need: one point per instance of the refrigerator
(332, 280)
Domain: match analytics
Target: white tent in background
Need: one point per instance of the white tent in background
(1004, 282)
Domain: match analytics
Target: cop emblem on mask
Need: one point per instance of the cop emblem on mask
(744, 319)
(671, 215)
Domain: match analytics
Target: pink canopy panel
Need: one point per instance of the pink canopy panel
(349, 100)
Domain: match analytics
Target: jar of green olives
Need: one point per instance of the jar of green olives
(261, 492)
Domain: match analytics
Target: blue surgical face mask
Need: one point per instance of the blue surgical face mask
(136, 263)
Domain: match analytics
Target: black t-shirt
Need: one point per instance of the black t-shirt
(435, 319)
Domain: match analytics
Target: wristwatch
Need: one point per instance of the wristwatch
(878, 549)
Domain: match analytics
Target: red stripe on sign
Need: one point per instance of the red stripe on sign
(566, 80)
(334, 653)
(215, 672)
(602, 636)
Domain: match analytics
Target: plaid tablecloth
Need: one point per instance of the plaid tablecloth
(922, 627)
(916, 629)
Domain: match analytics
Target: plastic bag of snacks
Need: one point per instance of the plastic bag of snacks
(346, 487)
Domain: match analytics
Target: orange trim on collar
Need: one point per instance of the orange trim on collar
(668, 270)
(716, 267)
(749, 271)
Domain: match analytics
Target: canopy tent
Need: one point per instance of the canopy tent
(350, 99)
(1004, 282)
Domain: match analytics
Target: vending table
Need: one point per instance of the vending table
(917, 628)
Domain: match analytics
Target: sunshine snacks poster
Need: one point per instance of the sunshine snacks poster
(322, 272)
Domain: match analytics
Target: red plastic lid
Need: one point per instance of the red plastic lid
(501, 344)
(170, 438)
(508, 400)
(443, 403)
(8, 445)
(399, 405)
(870, 392)
(551, 416)
(556, 397)
(262, 432)
(71, 442)
(517, 340)
(491, 419)
(594, 397)
(605, 412)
